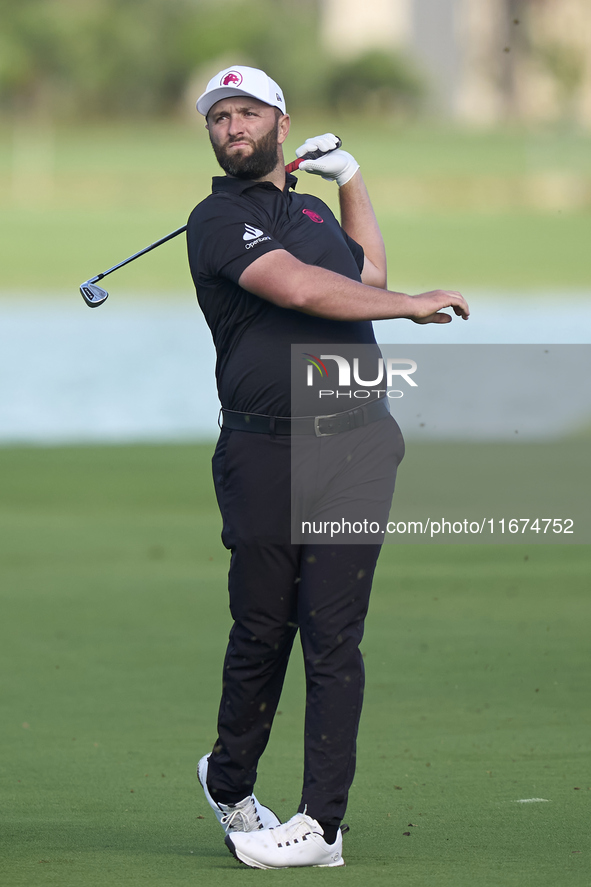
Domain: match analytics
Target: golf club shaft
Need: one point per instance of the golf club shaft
(137, 255)
(291, 167)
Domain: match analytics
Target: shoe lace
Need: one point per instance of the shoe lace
(242, 818)
(299, 826)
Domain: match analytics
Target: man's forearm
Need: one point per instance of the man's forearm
(327, 294)
(359, 221)
(281, 278)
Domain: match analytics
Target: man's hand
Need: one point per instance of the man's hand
(426, 306)
(337, 166)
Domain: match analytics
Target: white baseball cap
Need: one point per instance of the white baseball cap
(241, 80)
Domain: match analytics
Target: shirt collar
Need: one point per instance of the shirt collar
(238, 186)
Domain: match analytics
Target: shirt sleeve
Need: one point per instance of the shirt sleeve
(224, 237)
(356, 250)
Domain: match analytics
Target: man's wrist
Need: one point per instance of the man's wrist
(347, 174)
(404, 306)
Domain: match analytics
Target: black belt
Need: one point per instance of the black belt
(321, 426)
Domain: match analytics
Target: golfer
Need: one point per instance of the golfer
(273, 268)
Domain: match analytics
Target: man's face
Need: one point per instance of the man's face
(245, 135)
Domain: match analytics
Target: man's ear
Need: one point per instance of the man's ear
(283, 128)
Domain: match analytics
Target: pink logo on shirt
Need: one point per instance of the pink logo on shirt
(313, 216)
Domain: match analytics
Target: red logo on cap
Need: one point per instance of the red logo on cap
(232, 78)
(313, 216)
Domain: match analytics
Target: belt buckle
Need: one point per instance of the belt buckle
(317, 430)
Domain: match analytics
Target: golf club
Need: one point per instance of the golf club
(95, 295)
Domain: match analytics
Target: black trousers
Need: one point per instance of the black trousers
(277, 587)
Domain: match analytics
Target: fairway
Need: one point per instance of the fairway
(114, 620)
(459, 208)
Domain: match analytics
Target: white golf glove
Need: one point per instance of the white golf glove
(337, 166)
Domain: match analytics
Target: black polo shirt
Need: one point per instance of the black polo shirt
(238, 222)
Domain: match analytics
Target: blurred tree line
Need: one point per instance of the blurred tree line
(89, 58)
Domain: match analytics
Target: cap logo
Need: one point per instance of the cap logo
(232, 78)
(314, 217)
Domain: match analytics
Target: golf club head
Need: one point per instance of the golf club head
(93, 295)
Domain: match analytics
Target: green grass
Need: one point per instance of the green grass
(114, 620)
(505, 209)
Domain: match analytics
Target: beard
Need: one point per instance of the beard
(259, 163)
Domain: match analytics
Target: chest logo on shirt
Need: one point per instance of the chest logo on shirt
(251, 232)
(314, 217)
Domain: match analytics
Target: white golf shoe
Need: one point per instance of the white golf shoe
(247, 815)
(298, 842)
